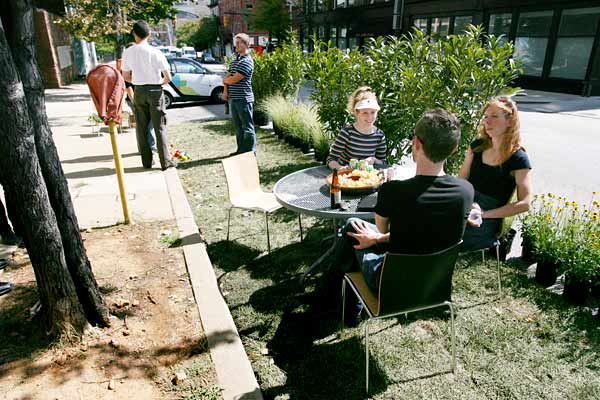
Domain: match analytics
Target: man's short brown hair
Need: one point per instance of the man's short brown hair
(439, 132)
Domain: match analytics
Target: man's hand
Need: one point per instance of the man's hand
(224, 96)
(366, 238)
(475, 218)
(371, 160)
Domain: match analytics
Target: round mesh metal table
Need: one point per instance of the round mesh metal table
(307, 192)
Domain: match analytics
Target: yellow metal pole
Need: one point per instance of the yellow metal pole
(119, 167)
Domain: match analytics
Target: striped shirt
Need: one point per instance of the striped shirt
(350, 143)
(242, 90)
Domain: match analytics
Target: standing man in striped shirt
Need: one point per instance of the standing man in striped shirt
(238, 84)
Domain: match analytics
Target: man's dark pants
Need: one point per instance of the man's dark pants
(150, 106)
(243, 122)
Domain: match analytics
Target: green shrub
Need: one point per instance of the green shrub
(335, 74)
(411, 74)
(298, 120)
(279, 72)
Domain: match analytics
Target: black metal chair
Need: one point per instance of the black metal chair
(408, 283)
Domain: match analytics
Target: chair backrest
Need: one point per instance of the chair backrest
(241, 173)
(410, 280)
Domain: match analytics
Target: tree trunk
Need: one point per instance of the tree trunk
(21, 39)
(24, 185)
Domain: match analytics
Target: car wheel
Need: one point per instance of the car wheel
(217, 95)
(168, 99)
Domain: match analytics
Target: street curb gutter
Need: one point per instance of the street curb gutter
(234, 372)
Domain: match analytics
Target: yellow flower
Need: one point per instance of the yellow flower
(550, 195)
(594, 193)
(560, 209)
(594, 218)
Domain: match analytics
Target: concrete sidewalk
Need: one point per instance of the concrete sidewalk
(87, 160)
(88, 163)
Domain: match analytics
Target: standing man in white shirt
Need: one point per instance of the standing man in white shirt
(142, 66)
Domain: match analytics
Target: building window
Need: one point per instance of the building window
(500, 26)
(421, 24)
(532, 40)
(440, 27)
(333, 36)
(340, 3)
(342, 39)
(461, 24)
(353, 42)
(574, 43)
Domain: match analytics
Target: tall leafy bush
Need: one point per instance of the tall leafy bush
(280, 72)
(411, 74)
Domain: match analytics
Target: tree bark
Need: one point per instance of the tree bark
(24, 185)
(21, 39)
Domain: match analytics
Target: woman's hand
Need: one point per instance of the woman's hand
(371, 160)
(475, 216)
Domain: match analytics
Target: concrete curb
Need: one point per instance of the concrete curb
(234, 372)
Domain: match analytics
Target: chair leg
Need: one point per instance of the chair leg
(268, 240)
(482, 255)
(300, 225)
(367, 356)
(228, 223)
(452, 336)
(498, 265)
(343, 302)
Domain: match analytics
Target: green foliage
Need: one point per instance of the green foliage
(410, 75)
(93, 20)
(336, 74)
(104, 47)
(279, 72)
(271, 16)
(201, 34)
(297, 120)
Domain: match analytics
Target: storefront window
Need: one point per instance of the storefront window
(440, 26)
(462, 23)
(532, 40)
(500, 26)
(353, 43)
(342, 38)
(574, 43)
(333, 36)
(421, 24)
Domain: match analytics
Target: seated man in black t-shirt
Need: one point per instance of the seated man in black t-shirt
(421, 215)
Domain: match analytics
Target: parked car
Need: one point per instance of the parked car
(192, 82)
(208, 59)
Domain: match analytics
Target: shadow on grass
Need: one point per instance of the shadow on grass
(223, 128)
(201, 162)
(269, 176)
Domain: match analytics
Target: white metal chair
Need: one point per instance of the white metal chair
(408, 283)
(243, 184)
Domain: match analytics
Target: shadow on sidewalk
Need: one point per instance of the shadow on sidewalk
(97, 172)
(104, 157)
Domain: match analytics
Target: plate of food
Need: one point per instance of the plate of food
(356, 180)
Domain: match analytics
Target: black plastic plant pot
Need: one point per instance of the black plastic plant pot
(527, 253)
(575, 290)
(546, 272)
(277, 130)
(260, 118)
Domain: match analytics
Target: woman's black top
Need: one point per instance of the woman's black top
(496, 180)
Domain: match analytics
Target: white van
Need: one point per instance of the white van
(188, 52)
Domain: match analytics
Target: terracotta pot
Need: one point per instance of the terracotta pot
(546, 272)
(575, 290)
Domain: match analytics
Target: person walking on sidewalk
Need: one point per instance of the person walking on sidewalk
(240, 96)
(142, 66)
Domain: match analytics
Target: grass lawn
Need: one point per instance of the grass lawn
(530, 344)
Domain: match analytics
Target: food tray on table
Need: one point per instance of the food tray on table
(355, 182)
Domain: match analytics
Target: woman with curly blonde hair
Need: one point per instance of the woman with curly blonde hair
(361, 140)
(496, 164)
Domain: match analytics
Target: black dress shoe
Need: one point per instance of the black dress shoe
(5, 287)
